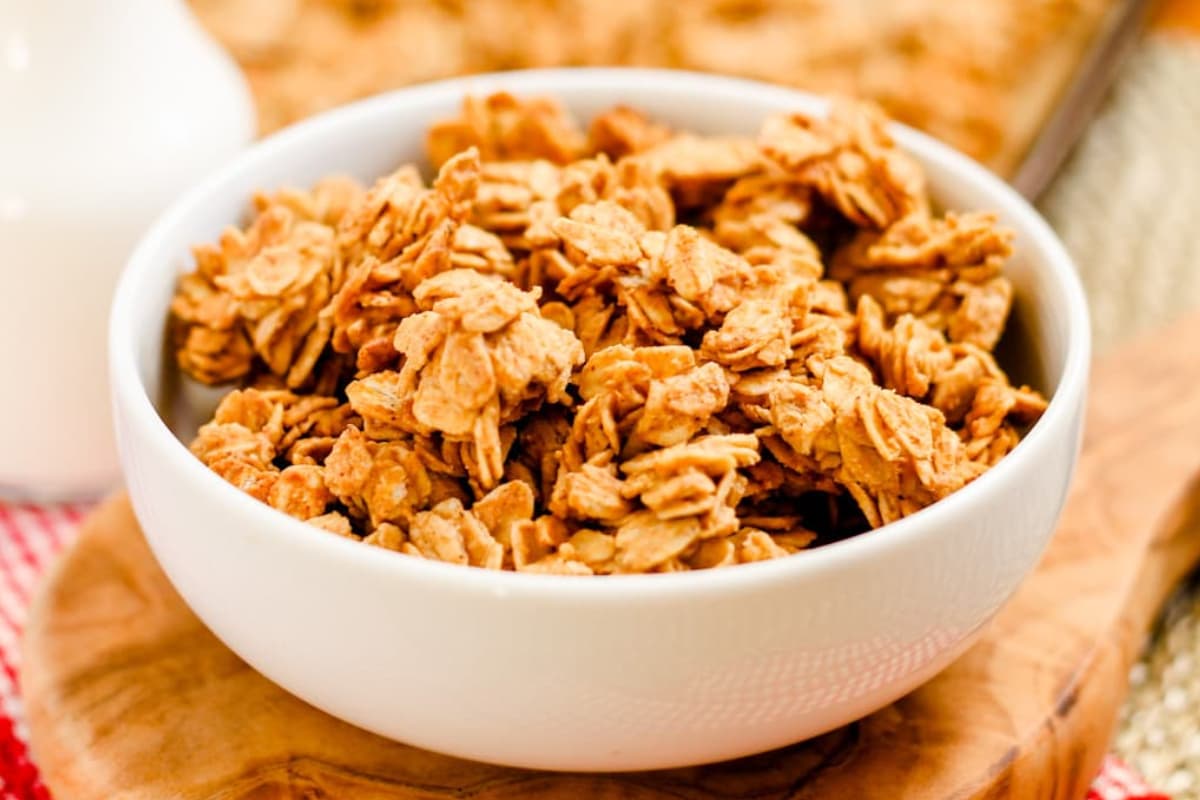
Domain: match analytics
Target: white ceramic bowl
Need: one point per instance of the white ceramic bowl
(614, 673)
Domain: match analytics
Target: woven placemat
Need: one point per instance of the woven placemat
(1128, 207)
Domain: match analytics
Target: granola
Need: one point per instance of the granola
(956, 70)
(630, 349)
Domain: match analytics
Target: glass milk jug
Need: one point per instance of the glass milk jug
(108, 109)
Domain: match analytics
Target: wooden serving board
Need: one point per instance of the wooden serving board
(131, 698)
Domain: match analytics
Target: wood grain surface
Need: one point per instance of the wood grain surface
(130, 697)
(1182, 16)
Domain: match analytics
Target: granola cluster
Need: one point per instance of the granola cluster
(615, 349)
(955, 69)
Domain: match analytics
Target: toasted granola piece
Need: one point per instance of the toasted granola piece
(558, 564)
(599, 241)
(596, 549)
(300, 492)
(893, 454)
(623, 131)
(598, 235)
(755, 545)
(971, 243)
(982, 311)
(712, 455)
(677, 407)
(326, 202)
(630, 183)
(512, 195)
(697, 481)
(599, 323)
(387, 536)
(635, 187)
(755, 334)
(713, 553)
(256, 297)
(216, 441)
(685, 282)
(507, 128)
(540, 439)
(477, 356)
(533, 540)
(335, 522)
(703, 273)
(955, 386)
(910, 355)
(560, 314)
(848, 158)
(377, 481)
(685, 494)
(240, 443)
(246, 475)
(988, 427)
(644, 541)
(595, 431)
(399, 235)
(642, 397)
(946, 272)
(986, 451)
(256, 409)
(384, 403)
(962, 381)
(592, 492)
(305, 427)
(440, 534)
(625, 372)
(211, 344)
(697, 169)
(502, 508)
(760, 219)
(257, 293)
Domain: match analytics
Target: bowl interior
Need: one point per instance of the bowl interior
(373, 137)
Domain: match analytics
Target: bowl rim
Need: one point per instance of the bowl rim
(132, 402)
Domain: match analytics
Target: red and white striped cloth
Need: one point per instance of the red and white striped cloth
(31, 535)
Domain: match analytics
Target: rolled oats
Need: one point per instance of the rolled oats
(534, 365)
